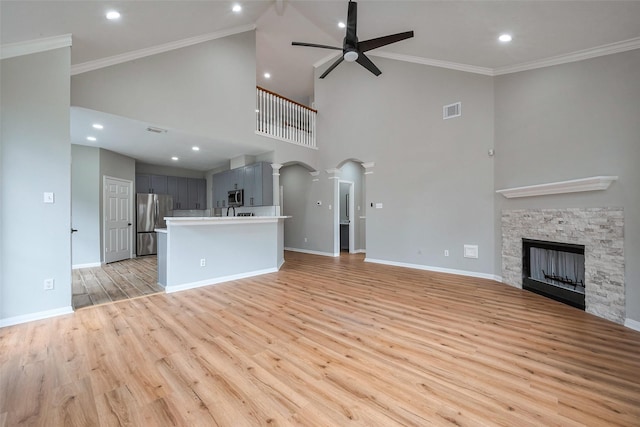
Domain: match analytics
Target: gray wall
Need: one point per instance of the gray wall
(146, 168)
(433, 176)
(574, 121)
(85, 204)
(116, 166)
(36, 158)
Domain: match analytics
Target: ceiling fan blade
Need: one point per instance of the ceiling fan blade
(322, 46)
(383, 41)
(352, 23)
(330, 69)
(366, 63)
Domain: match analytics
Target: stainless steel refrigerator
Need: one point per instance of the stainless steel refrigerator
(150, 212)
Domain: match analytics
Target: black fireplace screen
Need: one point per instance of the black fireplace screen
(555, 270)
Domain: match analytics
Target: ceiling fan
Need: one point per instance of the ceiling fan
(352, 49)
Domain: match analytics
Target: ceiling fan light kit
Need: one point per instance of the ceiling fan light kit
(352, 49)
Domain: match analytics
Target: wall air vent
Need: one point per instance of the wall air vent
(452, 110)
(156, 130)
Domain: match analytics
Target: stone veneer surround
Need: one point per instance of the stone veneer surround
(600, 230)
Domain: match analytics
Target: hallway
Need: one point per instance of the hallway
(115, 281)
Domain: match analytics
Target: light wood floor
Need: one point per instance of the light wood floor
(324, 342)
(115, 281)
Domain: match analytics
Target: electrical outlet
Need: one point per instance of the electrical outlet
(446, 252)
(48, 284)
(203, 262)
(305, 240)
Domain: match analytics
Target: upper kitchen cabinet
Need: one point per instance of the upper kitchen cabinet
(197, 193)
(235, 179)
(258, 185)
(187, 193)
(156, 184)
(256, 180)
(219, 181)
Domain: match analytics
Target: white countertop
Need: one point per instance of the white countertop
(220, 220)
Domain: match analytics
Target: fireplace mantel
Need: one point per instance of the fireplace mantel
(561, 187)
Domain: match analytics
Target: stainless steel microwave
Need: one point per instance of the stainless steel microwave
(235, 198)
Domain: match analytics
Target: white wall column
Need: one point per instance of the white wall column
(276, 186)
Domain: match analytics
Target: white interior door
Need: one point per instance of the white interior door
(118, 213)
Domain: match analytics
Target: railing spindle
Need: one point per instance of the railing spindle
(284, 119)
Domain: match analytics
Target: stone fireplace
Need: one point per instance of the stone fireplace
(599, 230)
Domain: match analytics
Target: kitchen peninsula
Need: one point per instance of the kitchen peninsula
(200, 251)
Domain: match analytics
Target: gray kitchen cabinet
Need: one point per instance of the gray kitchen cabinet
(258, 185)
(172, 190)
(235, 179)
(156, 184)
(201, 193)
(177, 189)
(159, 184)
(143, 183)
(196, 193)
(219, 181)
(256, 180)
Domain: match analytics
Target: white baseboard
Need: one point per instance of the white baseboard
(9, 321)
(361, 251)
(437, 269)
(214, 281)
(280, 263)
(307, 251)
(88, 265)
(632, 324)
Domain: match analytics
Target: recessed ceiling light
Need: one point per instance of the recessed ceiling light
(505, 38)
(174, 158)
(112, 14)
(341, 24)
(98, 126)
(237, 8)
(257, 111)
(267, 75)
(92, 138)
(194, 148)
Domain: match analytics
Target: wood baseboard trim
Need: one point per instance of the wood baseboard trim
(31, 317)
(437, 269)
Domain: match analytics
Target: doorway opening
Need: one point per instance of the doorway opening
(346, 215)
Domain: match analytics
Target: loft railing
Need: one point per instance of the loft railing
(284, 119)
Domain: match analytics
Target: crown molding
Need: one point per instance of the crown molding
(434, 63)
(580, 55)
(34, 46)
(154, 50)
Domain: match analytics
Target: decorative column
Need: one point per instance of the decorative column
(276, 186)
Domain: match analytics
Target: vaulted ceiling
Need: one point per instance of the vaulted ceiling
(455, 34)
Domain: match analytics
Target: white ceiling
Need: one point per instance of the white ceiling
(459, 33)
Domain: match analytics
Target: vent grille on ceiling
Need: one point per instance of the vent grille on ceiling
(452, 110)
(156, 130)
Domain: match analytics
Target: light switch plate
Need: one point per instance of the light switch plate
(48, 197)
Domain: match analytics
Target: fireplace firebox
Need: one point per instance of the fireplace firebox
(554, 270)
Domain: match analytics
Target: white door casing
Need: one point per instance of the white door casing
(118, 219)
